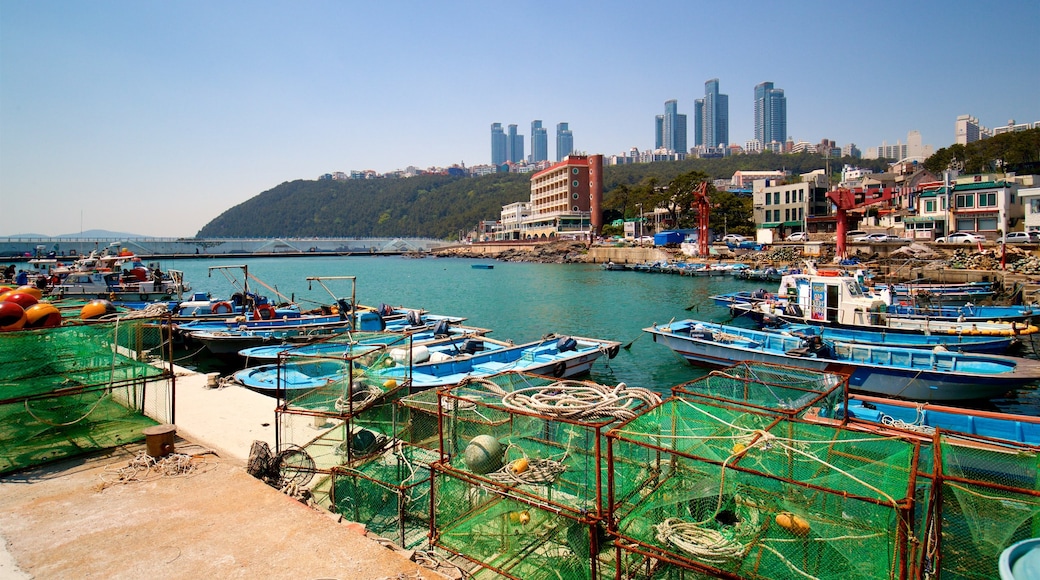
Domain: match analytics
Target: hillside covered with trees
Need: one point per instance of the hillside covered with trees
(438, 206)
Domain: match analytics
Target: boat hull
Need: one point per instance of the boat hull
(867, 374)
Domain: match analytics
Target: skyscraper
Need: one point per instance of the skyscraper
(539, 142)
(715, 122)
(698, 122)
(498, 144)
(770, 114)
(564, 141)
(514, 146)
(670, 128)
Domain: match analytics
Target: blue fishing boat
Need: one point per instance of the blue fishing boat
(914, 374)
(483, 266)
(553, 356)
(454, 338)
(957, 342)
(925, 418)
(559, 357)
(231, 335)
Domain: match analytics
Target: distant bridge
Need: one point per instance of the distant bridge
(12, 247)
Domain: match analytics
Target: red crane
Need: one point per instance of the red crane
(703, 213)
(846, 199)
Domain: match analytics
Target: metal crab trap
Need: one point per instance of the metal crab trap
(522, 488)
(774, 389)
(736, 492)
(389, 493)
(986, 500)
(337, 406)
(73, 389)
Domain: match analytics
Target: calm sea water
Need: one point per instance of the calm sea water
(518, 301)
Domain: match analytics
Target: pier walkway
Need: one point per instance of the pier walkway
(63, 521)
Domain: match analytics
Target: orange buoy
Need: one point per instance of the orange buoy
(31, 290)
(797, 525)
(96, 309)
(519, 466)
(42, 315)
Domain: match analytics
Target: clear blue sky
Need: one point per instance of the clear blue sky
(155, 117)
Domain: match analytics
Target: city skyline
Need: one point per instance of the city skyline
(114, 112)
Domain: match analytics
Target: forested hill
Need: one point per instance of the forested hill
(440, 206)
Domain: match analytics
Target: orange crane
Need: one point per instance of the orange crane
(703, 213)
(847, 199)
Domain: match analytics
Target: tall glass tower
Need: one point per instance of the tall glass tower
(514, 145)
(716, 115)
(698, 122)
(564, 141)
(498, 144)
(770, 114)
(671, 128)
(539, 142)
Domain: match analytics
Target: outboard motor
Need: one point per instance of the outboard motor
(344, 308)
(385, 310)
(414, 318)
(441, 329)
(472, 346)
(566, 343)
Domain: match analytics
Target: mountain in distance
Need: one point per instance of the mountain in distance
(84, 234)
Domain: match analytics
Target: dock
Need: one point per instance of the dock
(66, 520)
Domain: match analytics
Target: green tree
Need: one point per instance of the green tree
(731, 213)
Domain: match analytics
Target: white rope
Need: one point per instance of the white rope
(537, 471)
(154, 310)
(581, 400)
(705, 544)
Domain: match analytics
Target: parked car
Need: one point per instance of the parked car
(854, 233)
(961, 238)
(878, 238)
(797, 237)
(733, 239)
(1020, 238)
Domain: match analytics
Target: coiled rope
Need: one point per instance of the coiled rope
(917, 425)
(154, 310)
(537, 471)
(580, 400)
(144, 467)
(707, 544)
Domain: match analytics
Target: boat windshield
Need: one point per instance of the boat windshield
(854, 288)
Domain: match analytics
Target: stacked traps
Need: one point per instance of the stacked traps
(736, 484)
(343, 414)
(390, 492)
(74, 389)
(522, 490)
(986, 500)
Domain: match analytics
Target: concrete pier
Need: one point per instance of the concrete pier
(63, 520)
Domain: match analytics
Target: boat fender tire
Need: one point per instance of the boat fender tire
(265, 312)
(559, 368)
(612, 351)
(223, 307)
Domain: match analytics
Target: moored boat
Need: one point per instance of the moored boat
(559, 357)
(914, 374)
(926, 418)
(455, 337)
(957, 342)
(838, 300)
